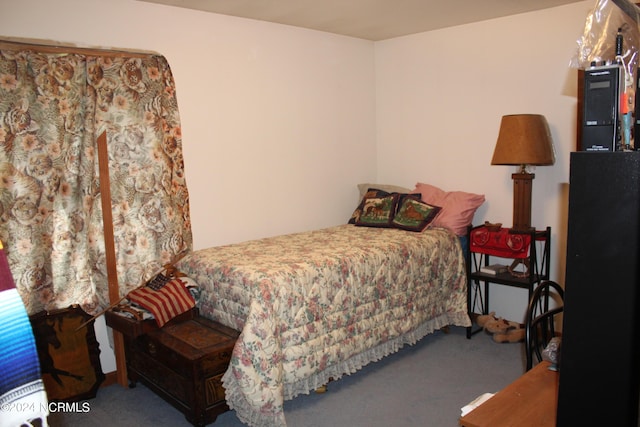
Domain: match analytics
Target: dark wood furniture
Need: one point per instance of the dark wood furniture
(600, 356)
(183, 362)
(478, 287)
(69, 354)
(530, 401)
(543, 320)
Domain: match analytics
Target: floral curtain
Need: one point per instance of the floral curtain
(53, 106)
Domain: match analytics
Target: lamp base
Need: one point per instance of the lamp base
(522, 185)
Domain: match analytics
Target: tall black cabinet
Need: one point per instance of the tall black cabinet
(600, 361)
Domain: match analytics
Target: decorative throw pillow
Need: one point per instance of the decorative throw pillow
(414, 215)
(389, 188)
(378, 211)
(377, 192)
(402, 196)
(371, 192)
(458, 207)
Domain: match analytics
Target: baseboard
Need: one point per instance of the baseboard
(110, 378)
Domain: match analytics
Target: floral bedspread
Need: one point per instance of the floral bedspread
(317, 305)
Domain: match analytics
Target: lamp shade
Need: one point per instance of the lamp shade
(524, 139)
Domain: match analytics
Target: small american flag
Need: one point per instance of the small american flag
(164, 301)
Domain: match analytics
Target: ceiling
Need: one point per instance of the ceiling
(368, 19)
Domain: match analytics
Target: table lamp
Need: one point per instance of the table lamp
(524, 139)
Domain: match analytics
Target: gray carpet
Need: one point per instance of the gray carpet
(421, 385)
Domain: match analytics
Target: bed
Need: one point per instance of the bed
(316, 305)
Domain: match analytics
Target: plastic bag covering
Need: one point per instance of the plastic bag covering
(551, 352)
(597, 45)
(612, 36)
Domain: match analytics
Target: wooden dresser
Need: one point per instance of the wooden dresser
(530, 401)
(183, 362)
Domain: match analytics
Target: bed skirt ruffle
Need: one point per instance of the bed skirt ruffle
(248, 414)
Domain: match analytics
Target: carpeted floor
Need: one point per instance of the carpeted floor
(421, 385)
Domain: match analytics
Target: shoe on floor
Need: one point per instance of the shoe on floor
(499, 326)
(482, 319)
(510, 336)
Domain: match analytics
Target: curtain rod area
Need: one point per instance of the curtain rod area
(41, 47)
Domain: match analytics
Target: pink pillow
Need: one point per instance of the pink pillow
(458, 207)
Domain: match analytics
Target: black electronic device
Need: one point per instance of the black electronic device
(601, 115)
(600, 362)
(636, 122)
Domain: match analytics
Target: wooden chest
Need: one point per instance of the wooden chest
(183, 362)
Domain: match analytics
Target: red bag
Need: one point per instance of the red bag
(500, 243)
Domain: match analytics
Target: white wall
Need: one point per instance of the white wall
(440, 98)
(280, 123)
